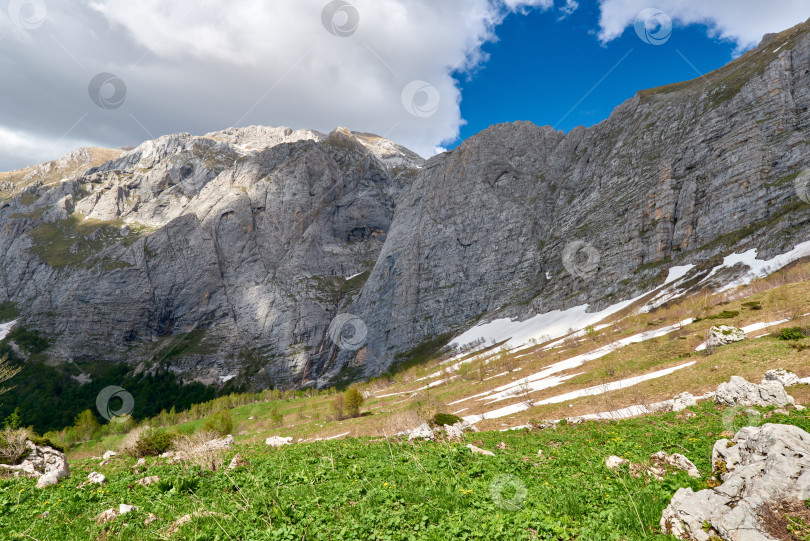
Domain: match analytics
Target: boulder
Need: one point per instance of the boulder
(108, 455)
(785, 377)
(45, 462)
(739, 392)
(759, 466)
(720, 335)
(683, 401)
(457, 430)
(108, 515)
(423, 432)
(96, 478)
(278, 441)
(123, 508)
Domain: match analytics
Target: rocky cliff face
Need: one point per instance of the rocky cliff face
(232, 253)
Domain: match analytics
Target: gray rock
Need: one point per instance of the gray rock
(479, 451)
(676, 460)
(108, 455)
(96, 478)
(278, 441)
(785, 377)
(683, 401)
(422, 432)
(46, 463)
(146, 481)
(721, 335)
(613, 462)
(764, 464)
(739, 392)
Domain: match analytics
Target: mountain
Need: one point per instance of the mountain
(289, 258)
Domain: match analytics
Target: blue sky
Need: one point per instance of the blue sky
(541, 67)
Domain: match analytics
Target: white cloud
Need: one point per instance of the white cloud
(741, 21)
(203, 65)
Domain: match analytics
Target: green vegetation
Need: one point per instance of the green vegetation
(442, 419)
(390, 489)
(220, 422)
(725, 314)
(352, 401)
(792, 333)
(8, 311)
(153, 443)
(420, 353)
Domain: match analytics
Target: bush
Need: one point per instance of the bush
(192, 450)
(353, 399)
(86, 425)
(725, 314)
(753, 305)
(152, 443)
(792, 333)
(338, 406)
(220, 422)
(441, 419)
(276, 417)
(12, 445)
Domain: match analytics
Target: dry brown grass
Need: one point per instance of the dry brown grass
(12, 444)
(192, 450)
(128, 442)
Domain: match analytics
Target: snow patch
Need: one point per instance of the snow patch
(5, 328)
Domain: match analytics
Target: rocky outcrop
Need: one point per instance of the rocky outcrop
(739, 392)
(233, 254)
(422, 432)
(760, 466)
(278, 441)
(44, 462)
(721, 335)
(785, 377)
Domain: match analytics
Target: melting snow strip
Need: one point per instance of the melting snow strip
(5, 328)
(338, 436)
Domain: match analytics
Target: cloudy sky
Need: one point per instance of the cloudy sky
(424, 73)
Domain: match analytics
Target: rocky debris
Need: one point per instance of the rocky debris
(613, 462)
(44, 462)
(502, 446)
(167, 454)
(721, 335)
(108, 455)
(758, 467)
(141, 462)
(94, 478)
(221, 443)
(278, 441)
(123, 509)
(456, 431)
(108, 515)
(150, 518)
(683, 401)
(785, 377)
(739, 392)
(478, 450)
(146, 481)
(422, 432)
(185, 519)
(676, 460)
(237, 462)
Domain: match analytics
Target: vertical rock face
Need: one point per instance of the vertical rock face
(228, 255)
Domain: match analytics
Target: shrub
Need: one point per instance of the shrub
(86, 425)
(179, 483)
(276, 417)
(753, 305)
(152, 443)
(792, 333)
(337, 406)
(12, 445)
(441, 419)
(353, 399)
(220, 422)
(192, 449)
(725, 314)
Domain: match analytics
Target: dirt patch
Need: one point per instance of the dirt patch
(788, 521)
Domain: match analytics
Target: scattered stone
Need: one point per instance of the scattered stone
(777, 411)
(539, 452)
(479, 451)
(423, 432)
(96, 478)
(123, 509)
(185, 519)
(46, 514)
(785, 377)
(683, 401)
(107, 515)
(721, 335)
(167, 454)
(799, 407)
(218, 444)
(739, 392)
(150, 518)
(278, 441)
(759, 466)
(501, 446)
(146, 481)
(251, 418)
(614, 462)
(676, 460)
(108, 455)
(103, 463)
(237, 462)
(45, 462)
(141, 462)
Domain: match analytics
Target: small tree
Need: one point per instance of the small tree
(337, 406)
(353, 399)
(86, 425)
(6, 372)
